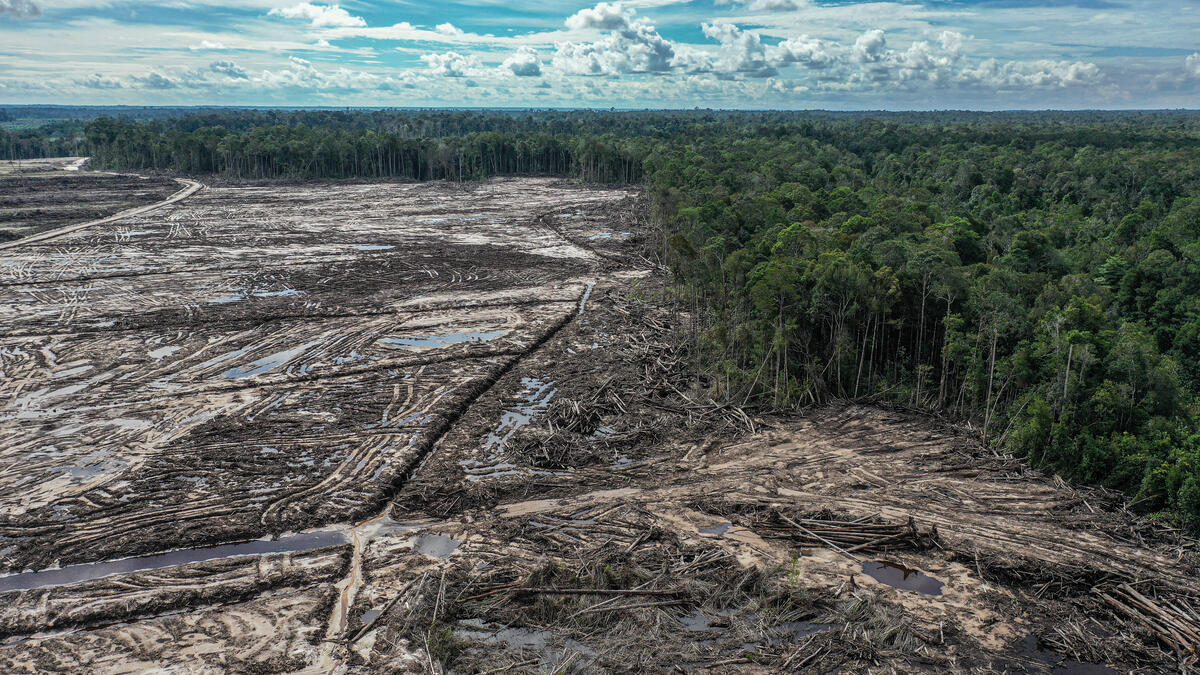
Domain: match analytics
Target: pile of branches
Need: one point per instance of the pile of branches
(1174, 620)
(853, 536)
(656, 389)
(666, 368)
(570, 432)
(825, 529)
(611, 607)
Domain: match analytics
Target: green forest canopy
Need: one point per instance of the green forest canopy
(1035, 273)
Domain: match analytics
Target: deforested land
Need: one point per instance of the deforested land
(467, 392)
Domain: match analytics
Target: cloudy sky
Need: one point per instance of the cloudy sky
(797, 54)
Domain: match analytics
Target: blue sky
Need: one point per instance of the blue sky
(794, 54)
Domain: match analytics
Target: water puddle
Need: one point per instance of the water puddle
(899, 576)
(792, 631)
(163, 352)
(609, 235)
(475, 629)
(267, 363)
(217, 360)
(717, 530)
(586, 294)
(536, 396)
(435, 341)
(370, 615)
(73, 574)
(434, 545)
(699, 622)
(553, 658)
(256, 294)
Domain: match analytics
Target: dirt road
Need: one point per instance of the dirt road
(190, 187)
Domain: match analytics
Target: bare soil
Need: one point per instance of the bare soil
(31, 203)
(483, 391)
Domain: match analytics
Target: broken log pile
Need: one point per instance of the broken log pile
(1175, 621)
(850, 536)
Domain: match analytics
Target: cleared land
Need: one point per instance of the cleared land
(452, 428)
(37, 196)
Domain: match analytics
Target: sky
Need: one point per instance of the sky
(754, 54)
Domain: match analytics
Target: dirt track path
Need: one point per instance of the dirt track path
(190, 187)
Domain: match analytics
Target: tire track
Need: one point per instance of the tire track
(190, 188)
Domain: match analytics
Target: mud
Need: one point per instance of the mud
(499, 396)
(32, 203)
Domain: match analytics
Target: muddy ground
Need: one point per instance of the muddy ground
(446, 428)
(45, 196)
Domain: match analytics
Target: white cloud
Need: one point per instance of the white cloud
(524, 63)
(741, 51)
(632, 45)
(20, 9)
(301, 74)
(157, 80)
(322, 16)
(449, 29)
(450, 64)
(806, 51)
(208, 45)
(1042, 74)
(744, 52)
(870, 46)
(604, 16)
(100, 81)
(229, 69)
(1193, 65)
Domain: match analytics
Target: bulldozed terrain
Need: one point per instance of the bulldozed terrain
(394, 427)
(41, 195)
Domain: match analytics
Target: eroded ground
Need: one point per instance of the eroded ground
(41, 195)
(470, 417)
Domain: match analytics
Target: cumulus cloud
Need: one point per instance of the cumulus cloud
(1043, 74)
(450, 64)
(806, 51)
(942, 63)
(302, 74)
(449, 29)
(229, 69)
(524, 63)
(741, 51)
(321, 16)
(156, 80)
(604, 16)
(1193, 65)
(870, 47)
(632, 44)
(20, 9)
(100, 81)
(208, 45)
(744, 52)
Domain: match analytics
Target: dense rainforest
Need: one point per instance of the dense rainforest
(1036, 274)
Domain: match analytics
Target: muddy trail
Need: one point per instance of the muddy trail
(42, 196)
(441, 428)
